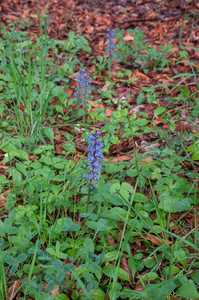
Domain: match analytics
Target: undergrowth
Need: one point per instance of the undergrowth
(123, 232)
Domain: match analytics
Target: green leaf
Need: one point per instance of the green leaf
(172, 270)
(22, 169)
(149, 276)
(132, 172)
(14, 269)
(187, 291)
(99, 225)
(114, 168)
(141, 122)
(61, 297)
(107, 94)
(194, 147)
(21, 258)
(140, 98)
(151, 98)
(115, 187)
(139, 198)
(180, 256)
(127, 186)
(43, 296)
(110, 270)
(17, 178)
(184, 93)
(110, 256)
(174, 202)
(49, 133)
(159, 110)
(116, 213)
(195, 156)
(57, 91)
(20, 154)
(149, 263)
(69, 147)
(97, 294)
(116, 115)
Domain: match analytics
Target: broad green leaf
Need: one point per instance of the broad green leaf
(187, 291)
(139, 198)
(69, 147)
(141, 122)
(97, 294)
(149, 276)
(173, 202)
(159, 110)
(43, 296)
(115, 187)
(149, 263)
(172, 270)
(61, 297)
(194, 147)
(110, 256)
(140, 98)
(17, 178)
(127, 186)
(110, 270)
(116, 213)
(195, 156)
(49, 133)
(180, 256)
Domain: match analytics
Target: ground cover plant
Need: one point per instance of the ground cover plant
(99, 172)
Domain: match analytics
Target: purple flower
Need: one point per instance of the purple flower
(110, 45)
(83, 87)
(95, 157)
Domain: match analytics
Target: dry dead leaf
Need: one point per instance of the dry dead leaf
(155, 240)
(121, 158)
(55, 291)
(108, 112)
(13, 289)
(140, 76)
(139, 287)
(105, 87)
(124, 265)
(111, 240)
(119, 236)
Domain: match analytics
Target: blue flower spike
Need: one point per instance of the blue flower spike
(95, 157)
(83, 87)
(110, 44)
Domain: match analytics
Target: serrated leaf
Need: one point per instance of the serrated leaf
(187, 291)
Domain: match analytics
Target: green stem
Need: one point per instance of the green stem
(84, 118)
(88, 200)
(136, 159)
(89, 193)
(109, 66)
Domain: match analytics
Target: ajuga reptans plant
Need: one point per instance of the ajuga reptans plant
(83, 88)
(95, 156)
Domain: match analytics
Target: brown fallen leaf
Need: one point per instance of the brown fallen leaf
(139, 287)
(119, 236)
(111, 240)
(156, 241)
(121, 158)
(13, 289)
(55, 291)
(124, 265)
(108, 112)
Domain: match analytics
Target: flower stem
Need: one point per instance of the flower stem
(136, 159)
